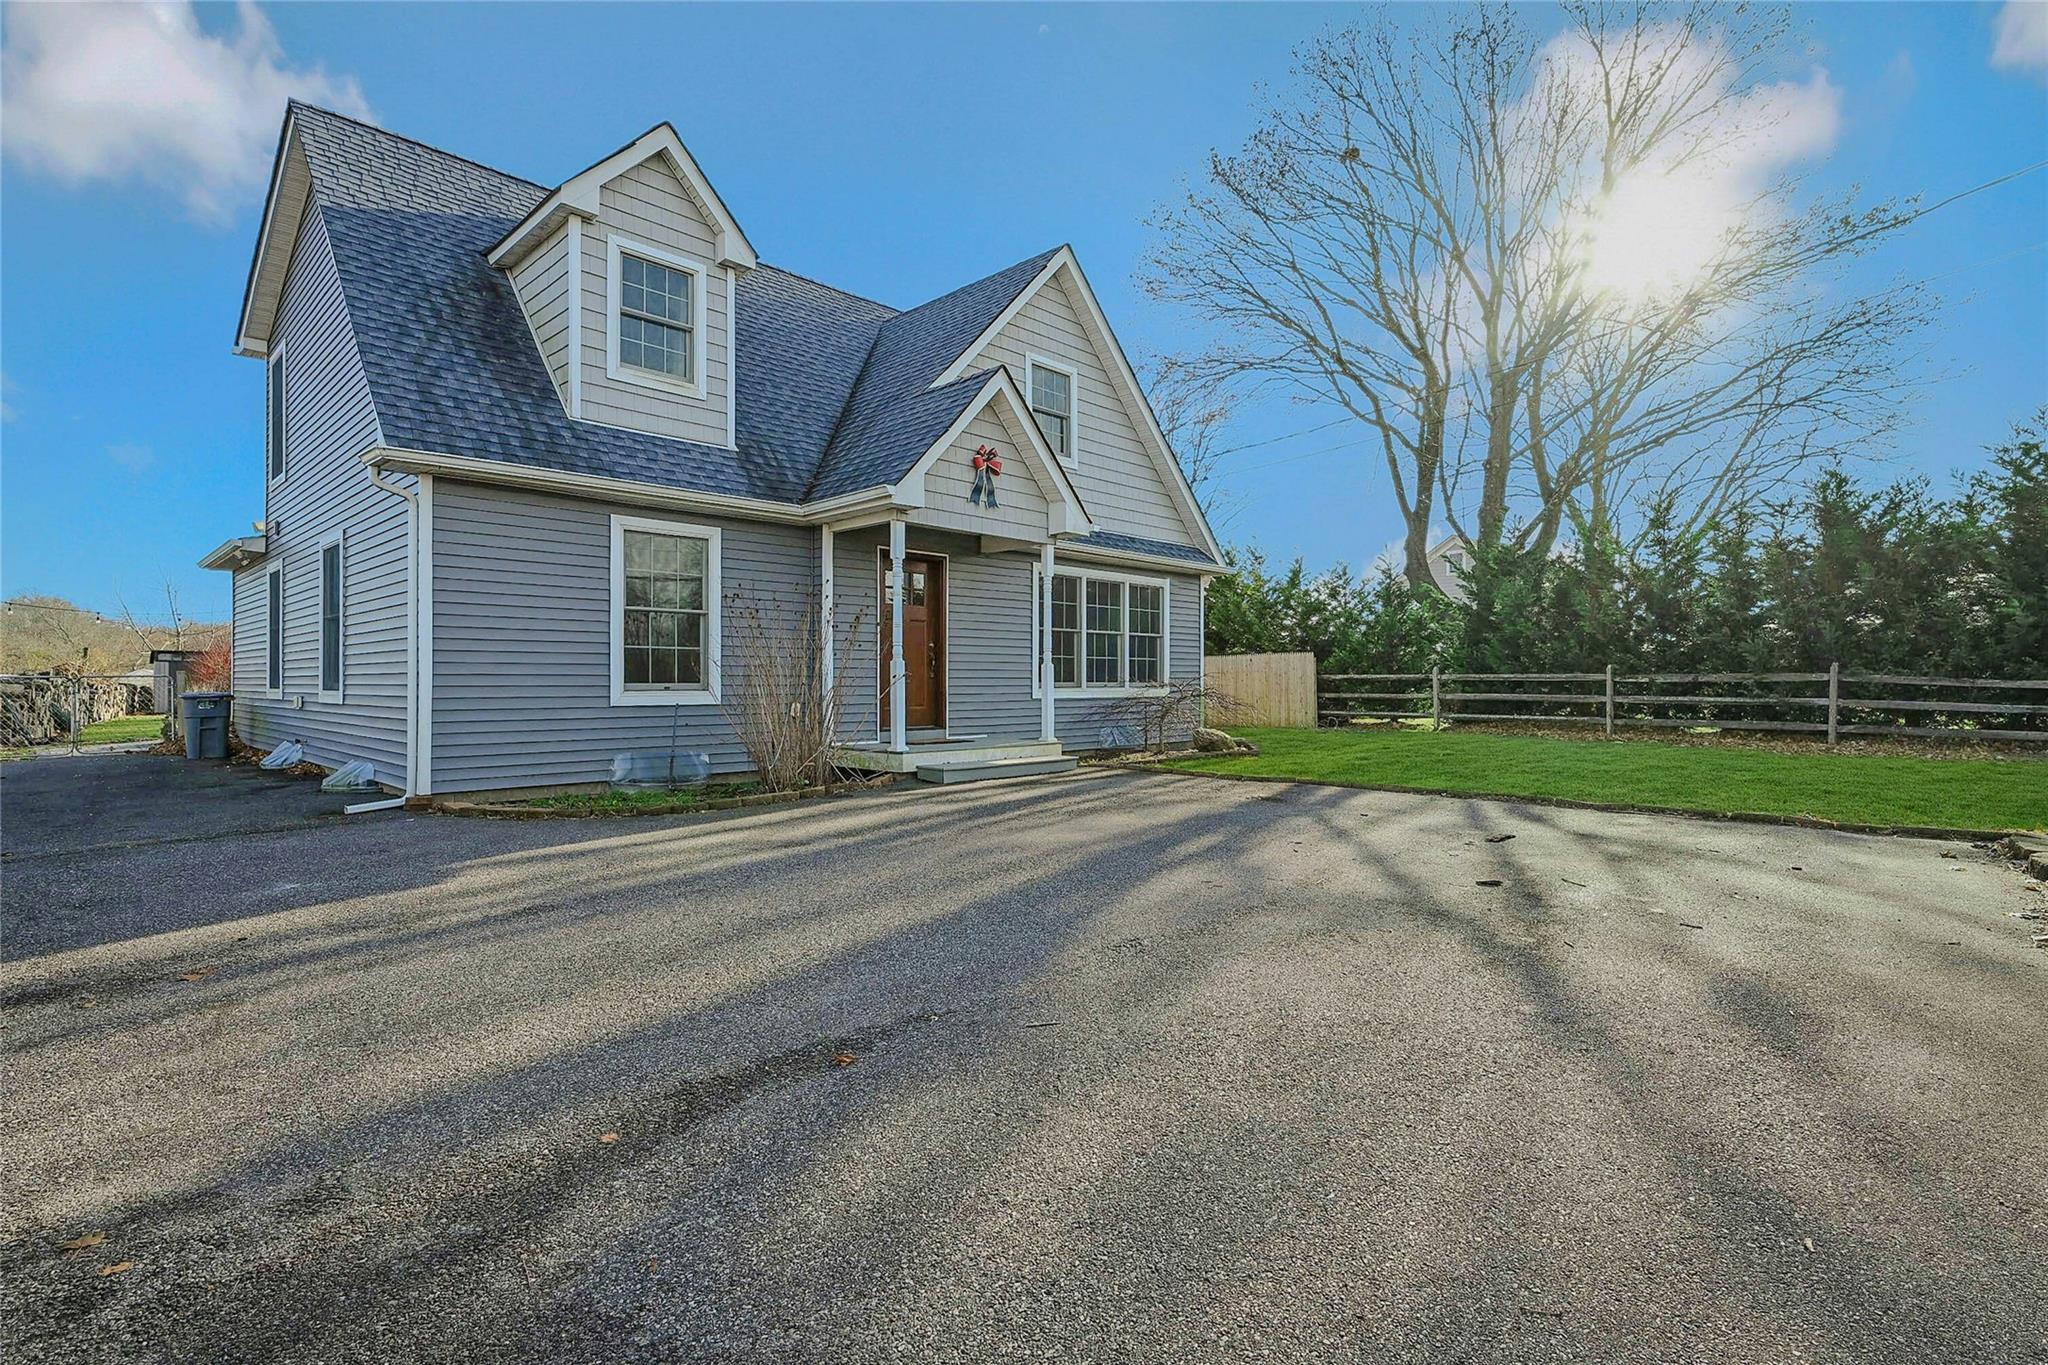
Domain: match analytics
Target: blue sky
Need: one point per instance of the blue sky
(896, 151)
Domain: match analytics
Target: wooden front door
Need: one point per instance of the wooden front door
(924, 642)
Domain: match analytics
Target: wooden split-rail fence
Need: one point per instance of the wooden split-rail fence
(1851, 704)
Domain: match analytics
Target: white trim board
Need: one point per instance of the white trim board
(1071, 517)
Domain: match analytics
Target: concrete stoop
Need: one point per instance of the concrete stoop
(993, 769)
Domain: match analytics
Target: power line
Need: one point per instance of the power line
(51, 606)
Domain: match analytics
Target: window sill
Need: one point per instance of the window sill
(1102, 693)
(333, 698)
(657, 697)
(654, 380)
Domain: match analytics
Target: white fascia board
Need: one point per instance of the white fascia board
(579, 194)
(1067, 516)
(246, 340)
(239, 553)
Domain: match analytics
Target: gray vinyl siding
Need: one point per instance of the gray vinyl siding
(1121, 486)
(988, 639)
(649, 204)
(1020, 509)
(329, 420)
(542, 283)
(522, 637)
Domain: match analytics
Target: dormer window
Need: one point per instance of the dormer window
(1052, 403)
(657, 318)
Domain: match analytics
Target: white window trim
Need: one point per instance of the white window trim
(1038, 362)
(1084, 573)
(273, 631)
(714, 616)
(276, 420)
(700, 273)
(333, 694)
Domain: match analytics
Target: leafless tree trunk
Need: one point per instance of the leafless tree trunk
(1453, 235)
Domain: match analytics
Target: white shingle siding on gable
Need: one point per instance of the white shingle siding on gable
(648, 204)
(329, 421)
(1118, 481)
(1020, 509)
(542, 282)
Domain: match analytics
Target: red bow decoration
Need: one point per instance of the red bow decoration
(988, 465)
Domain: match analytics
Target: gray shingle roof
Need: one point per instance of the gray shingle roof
(834, 395)
(1118, 542)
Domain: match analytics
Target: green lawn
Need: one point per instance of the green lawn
(1859, 789)
(641, 801)
(123, 730)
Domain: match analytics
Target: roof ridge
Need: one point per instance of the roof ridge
(382, 131)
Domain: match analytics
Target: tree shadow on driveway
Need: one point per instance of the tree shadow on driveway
(1140, 1067)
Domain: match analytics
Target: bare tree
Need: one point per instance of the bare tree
(1457, 236)
(775, 693)
(1194, 408)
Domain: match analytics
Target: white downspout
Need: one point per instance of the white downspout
(412, 632)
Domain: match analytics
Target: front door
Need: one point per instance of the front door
(924, 642)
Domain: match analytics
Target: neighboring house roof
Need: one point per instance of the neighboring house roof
(835, 395)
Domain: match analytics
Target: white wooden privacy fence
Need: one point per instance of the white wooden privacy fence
(1987, 708)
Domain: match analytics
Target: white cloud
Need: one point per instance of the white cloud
(117, 92)
(133, 458)
(1669, 215)
(2022, 36)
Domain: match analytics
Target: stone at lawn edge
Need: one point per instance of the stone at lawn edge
(1214, 741)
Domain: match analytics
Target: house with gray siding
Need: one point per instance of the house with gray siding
(534, 452)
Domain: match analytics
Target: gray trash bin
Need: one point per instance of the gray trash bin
(206, 723)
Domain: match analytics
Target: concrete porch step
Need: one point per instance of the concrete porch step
(989, 770)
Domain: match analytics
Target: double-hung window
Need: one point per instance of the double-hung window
(665, 612)
(657, 317)
(1052, 403)
(330, 618)
(1105, 633)
(1109, 632)
(273, 624)
(1146, 640)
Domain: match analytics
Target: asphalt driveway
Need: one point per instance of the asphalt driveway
(1103, 1067)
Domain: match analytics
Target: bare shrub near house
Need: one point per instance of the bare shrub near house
(775, 695)
(213, 668)
(1163, 714)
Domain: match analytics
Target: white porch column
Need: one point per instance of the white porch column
(825, 659)
(898, 672)
(1045, 699)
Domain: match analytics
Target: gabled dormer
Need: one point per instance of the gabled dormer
(627, 274)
